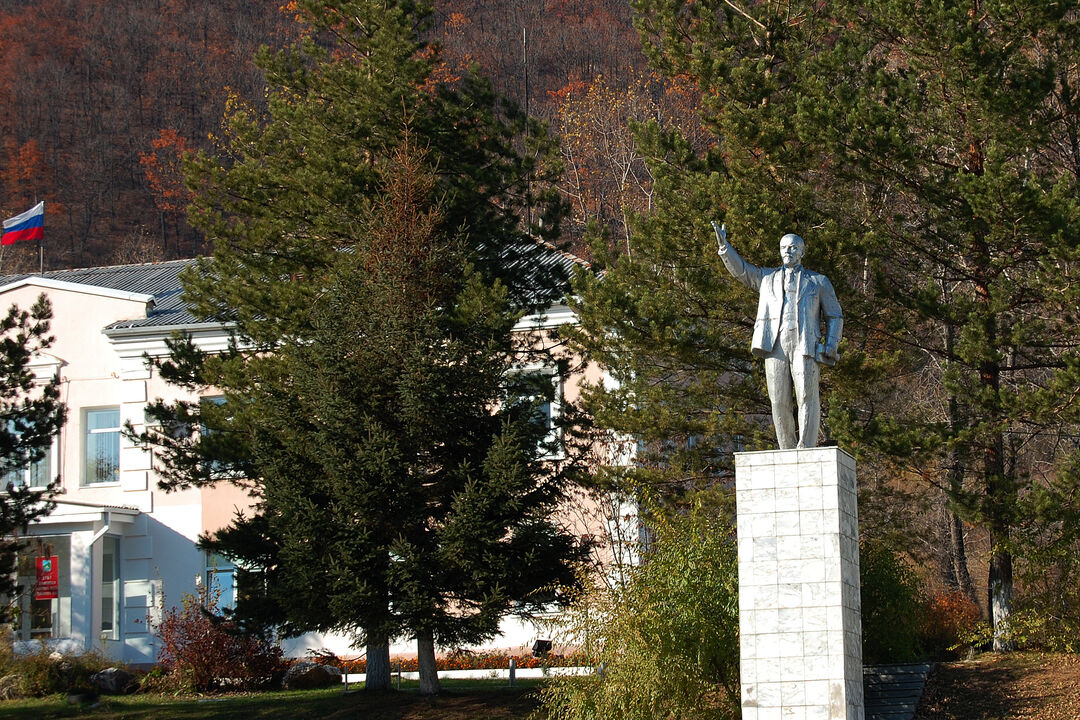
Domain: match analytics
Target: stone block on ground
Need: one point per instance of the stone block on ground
(309, 676)
(114, 681)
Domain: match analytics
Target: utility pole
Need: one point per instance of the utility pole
(528, 176)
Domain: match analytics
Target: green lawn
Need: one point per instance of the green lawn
(459, 700)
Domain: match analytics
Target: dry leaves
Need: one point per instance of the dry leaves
(1017, 686)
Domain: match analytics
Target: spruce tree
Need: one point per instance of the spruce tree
(368, 251)
(401, 476)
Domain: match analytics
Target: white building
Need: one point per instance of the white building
(125, 548)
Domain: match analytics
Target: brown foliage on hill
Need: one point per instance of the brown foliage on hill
(99, 100)
(567, 40)
(85, 89)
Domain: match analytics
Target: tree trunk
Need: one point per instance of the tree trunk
(1000, 485)
(957, 574)
(425, 660)
(958, 557)
(1001, 492)
(378, 664)
(1000, 586)
(946, 566)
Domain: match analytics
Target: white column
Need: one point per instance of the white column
(799, 608)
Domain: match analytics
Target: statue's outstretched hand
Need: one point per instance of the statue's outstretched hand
(721, 237)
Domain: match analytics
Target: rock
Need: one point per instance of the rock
(114, 681)
(10, 687)
(309, 675)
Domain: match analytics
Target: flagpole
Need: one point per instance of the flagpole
(41, 251)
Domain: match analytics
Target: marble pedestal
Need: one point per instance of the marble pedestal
(799, 616)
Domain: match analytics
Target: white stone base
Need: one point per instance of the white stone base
(799, 609)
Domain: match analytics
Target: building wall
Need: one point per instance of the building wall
(158, 560)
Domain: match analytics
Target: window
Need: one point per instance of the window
(543, 388)
(110, 587)
(37, 475)
(44, 607)
(220, 582)
(215, 442)
(102, 446)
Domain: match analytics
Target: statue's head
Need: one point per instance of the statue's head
(792, 249)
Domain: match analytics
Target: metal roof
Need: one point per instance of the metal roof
(147, 278)
(543, 264)
(160, 280)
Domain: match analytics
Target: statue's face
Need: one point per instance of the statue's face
(792, 250)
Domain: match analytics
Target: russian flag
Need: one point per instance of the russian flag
(29, 225)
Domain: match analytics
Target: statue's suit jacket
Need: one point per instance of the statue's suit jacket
(817, 304)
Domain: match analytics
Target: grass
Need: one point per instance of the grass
(1027, 686)
(460, 699)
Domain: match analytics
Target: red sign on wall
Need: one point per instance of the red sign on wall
(48, 578)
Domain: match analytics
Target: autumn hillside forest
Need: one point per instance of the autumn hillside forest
(98, 100)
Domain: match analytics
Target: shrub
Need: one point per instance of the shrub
(949, 619)
(157, 681)
(892, 606)
(1047, 609)
(202, 651)
(667, 641)
(1028, 629)
(46, 672)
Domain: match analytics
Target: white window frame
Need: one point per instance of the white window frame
(114, 606)
(85, 480)
(217, 472)
(554, 438)
(59, 608)
(217, 565)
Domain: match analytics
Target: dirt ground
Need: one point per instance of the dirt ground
(1019, 686)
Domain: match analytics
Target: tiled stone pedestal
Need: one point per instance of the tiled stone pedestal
(799, 619)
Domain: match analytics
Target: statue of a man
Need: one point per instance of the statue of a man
(794, 305)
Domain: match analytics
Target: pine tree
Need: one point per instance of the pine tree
(953, 121)
(927, 152)
(369, 254)
(289, 189)
(30, 417)
(665, 318)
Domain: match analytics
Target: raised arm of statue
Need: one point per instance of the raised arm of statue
(744, 272)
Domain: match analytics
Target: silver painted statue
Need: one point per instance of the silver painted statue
(794, 304)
